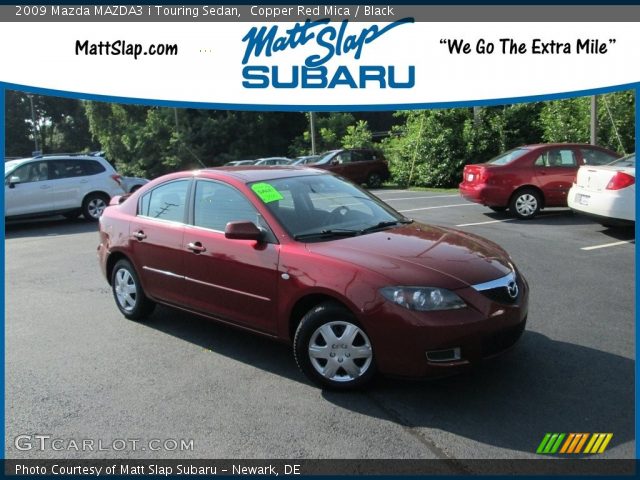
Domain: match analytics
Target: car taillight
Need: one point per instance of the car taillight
(620, 180)
(117, 179)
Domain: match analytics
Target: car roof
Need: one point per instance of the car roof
(560, 144)
(252, 173)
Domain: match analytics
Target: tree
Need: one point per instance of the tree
(18, 128)
(569, 120)
(357, 136)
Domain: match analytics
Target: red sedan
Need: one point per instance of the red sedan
(308, 258)
(529, 178)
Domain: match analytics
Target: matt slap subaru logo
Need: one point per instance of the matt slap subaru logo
(324, 41)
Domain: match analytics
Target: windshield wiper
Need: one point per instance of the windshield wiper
(389, 223)
(334, 232)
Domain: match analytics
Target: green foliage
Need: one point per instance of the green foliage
(330, 129)
(569, 121)
(429, 151)
(60, 125)
(424, 148)
(357, 136)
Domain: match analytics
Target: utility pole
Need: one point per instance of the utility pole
(33, 126)
(594, 119)
(312, 126)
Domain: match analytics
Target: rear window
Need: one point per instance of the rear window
(508, 157)
(596, 157)
(628, 161)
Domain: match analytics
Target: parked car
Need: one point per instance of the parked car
(607, 193)
(306, 160)
(271, 161)
(59, 184)
(131, 184)
(308, 258)
(239, 163)
(530, 178)
(361, 165)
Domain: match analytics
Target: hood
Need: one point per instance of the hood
(418, 254)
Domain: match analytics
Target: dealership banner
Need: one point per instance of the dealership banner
(318, 56)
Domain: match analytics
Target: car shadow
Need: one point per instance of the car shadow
(232, 342)
(554, 216)
(542, 385)
(48, 226)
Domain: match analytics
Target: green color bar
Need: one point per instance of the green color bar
(555, 448)
(543, 443)
(550, 444)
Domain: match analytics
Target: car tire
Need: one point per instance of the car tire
(332, 349)
(498, 209)
(93, 205)
(525, 204)
(374, 180)
(127, 292)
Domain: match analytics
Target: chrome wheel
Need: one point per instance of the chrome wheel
(340, 351)
(95, 207)
(125, 290)
(526, 205)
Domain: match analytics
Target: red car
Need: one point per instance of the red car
(307, 258)
(529, 178)
(360, 165)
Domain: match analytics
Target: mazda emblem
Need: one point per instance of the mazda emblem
(512, 289)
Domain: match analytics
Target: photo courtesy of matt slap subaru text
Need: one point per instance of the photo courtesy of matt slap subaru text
(325, 44)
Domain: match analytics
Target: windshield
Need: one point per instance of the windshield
(508, 157)
(628, 161)
(321, 207)
(326, 156)
(10, 165)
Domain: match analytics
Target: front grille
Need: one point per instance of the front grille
(500, 295)
(505, 290)
(502, 340)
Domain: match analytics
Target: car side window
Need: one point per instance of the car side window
(596, 157)
(358, 157)
(32, 172)
(217, 204)
(344, 157)
(166, 202)
(557, 158)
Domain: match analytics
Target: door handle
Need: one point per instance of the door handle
(139, 235)
(196, 247)
(44, 187)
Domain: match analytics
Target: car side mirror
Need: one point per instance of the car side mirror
(335, 161)
(243, 231)
(13, 181)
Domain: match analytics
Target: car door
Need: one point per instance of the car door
(340, 163)
(235, 280)
(156, 240)
(72, 181)
(555, 170)
(31, 193)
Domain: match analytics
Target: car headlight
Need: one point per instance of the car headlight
(423, 299)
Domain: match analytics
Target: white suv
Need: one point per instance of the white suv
(59, 184)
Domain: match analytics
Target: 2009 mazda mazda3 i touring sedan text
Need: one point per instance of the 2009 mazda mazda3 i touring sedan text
(308, 258)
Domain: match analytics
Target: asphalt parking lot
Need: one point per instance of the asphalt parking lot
(76, 369)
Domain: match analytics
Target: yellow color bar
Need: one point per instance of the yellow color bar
(596, 446)
(607, 439)
(594, 437)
